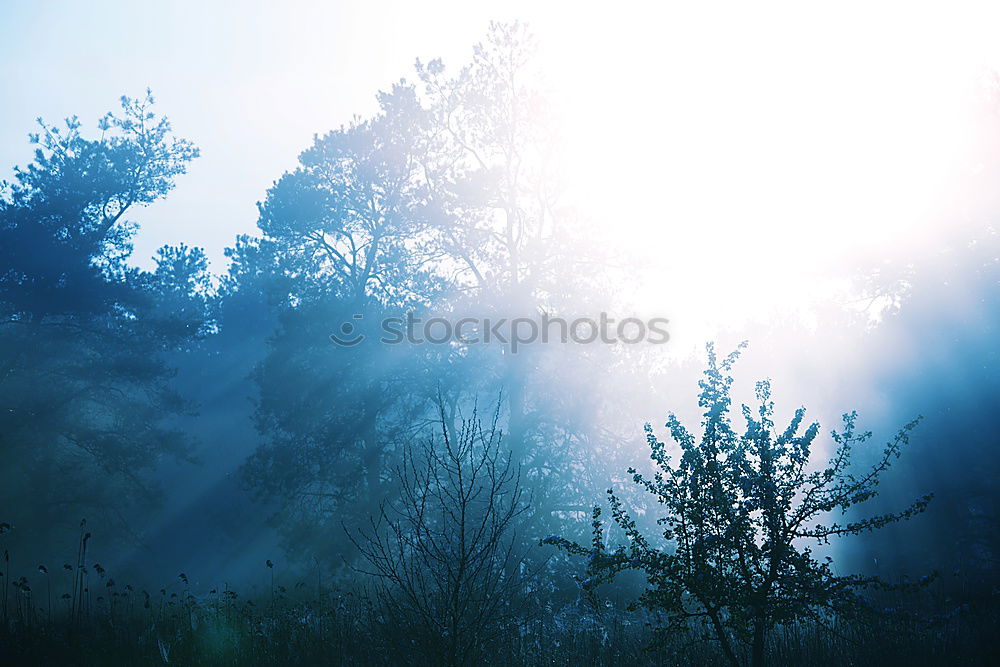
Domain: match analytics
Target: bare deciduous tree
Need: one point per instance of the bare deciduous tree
(448, 575)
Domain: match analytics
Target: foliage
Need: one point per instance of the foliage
(116, 623)
(84, 386)
(737, 511)
(444, 203)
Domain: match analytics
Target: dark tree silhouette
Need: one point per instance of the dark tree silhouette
(444, 555)
(343, 243)
(738, 511)
(84, 387)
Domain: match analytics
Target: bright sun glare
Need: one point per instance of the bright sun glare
(784, 154)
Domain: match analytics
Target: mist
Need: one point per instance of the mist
(340, 335)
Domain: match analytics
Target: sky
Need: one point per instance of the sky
(780, 139)
(250, 86)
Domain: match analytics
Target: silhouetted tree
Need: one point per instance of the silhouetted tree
(737, 510)
(443, 553)
(84, 388)
(344, 242)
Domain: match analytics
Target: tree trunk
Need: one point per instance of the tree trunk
(723, 636)
(757, 651)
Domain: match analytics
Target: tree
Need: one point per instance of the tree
(738, 512)
(517, 248)
(85, 395)
(492, 171)
(344, 243)
(443, 553)
(447, 203)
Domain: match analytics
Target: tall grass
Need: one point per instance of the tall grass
(106, 622)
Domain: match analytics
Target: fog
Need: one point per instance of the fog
(196, 375)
